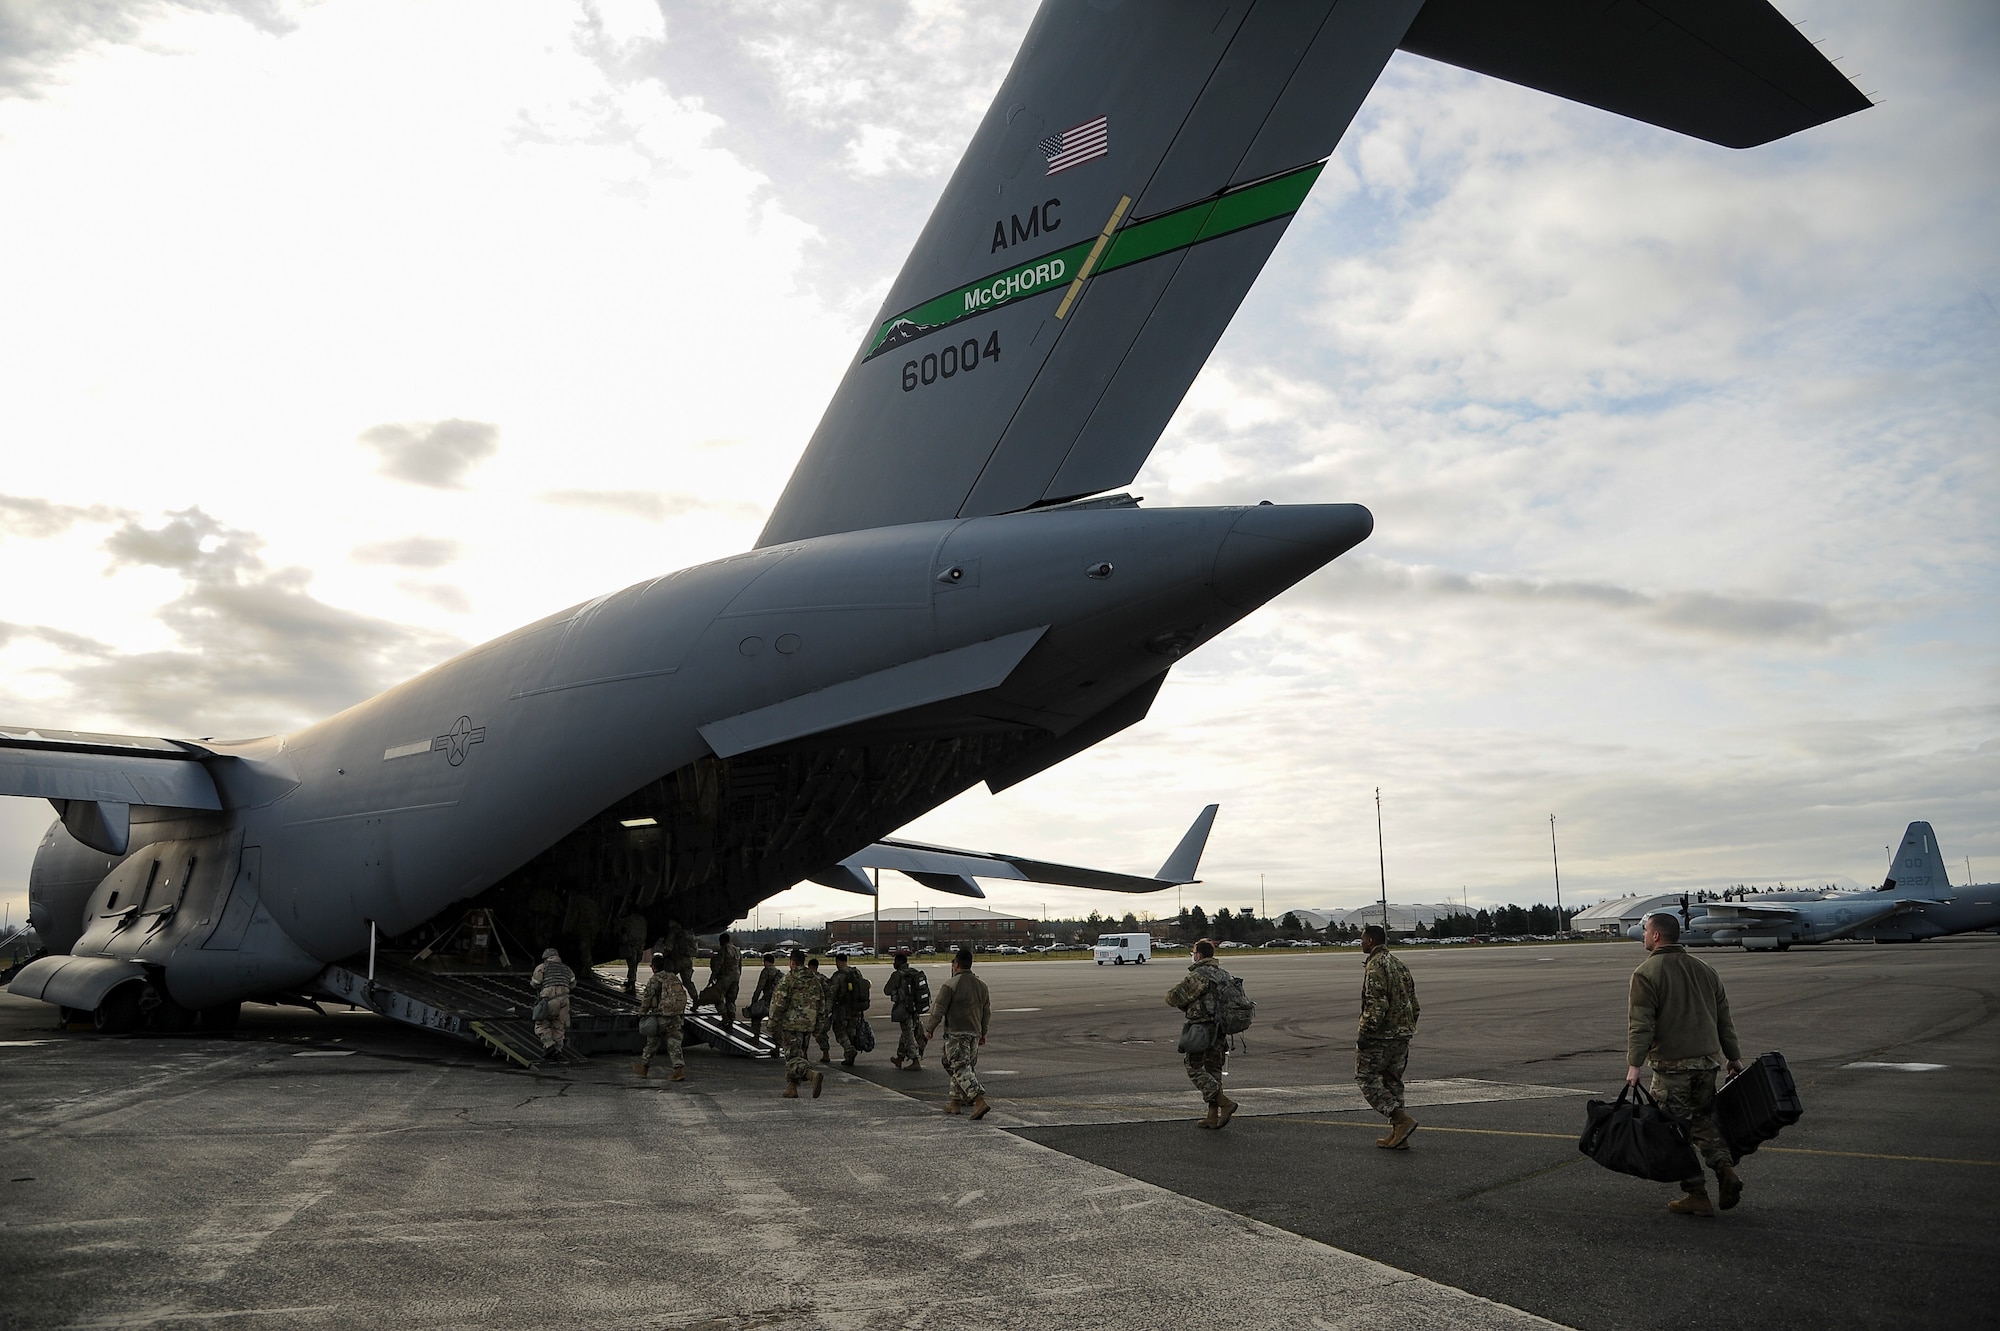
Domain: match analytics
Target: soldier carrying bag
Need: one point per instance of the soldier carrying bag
(1227, 1011)
(1637, 1135)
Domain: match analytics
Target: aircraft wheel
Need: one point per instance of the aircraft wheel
(119, 1012)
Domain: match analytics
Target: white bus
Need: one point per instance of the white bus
(1121, 948)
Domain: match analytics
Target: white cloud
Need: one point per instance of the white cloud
(1682, 460)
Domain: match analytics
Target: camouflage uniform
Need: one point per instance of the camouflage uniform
(1382, 1040)
(680, 950)
(1676, 1020)
(901, 990)
(667, 1000)
(965, 1009)
(1191, 997)
(825, 1023)
(767, 984)
(632, 944)
(797, 1005)
(725, 977)
(552, 981)
(847, 999)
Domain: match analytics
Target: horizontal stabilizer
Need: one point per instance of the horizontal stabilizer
(952, 674)
(1733, 72)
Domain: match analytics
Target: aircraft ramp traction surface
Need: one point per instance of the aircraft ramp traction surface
(494, 1009)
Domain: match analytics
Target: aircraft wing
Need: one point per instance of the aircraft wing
(1136, 169)
(945, 869)
(94, 779)
(1744, 914)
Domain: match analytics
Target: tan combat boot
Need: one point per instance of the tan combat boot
(951, 1107)
(791, 1090)
(680, 1074)
(819, 1083)
(896, 1061)
(1212, 1119)
(1401, 1125)
(826, 1056)
(1225, 1109)
(979, 1107)
(916, 1064)
(1692, 1203)
(641, 1070)
(1729, 1186)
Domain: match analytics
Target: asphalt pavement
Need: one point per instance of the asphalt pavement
(332, 1171)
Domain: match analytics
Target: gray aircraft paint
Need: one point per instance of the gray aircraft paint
(694, 743)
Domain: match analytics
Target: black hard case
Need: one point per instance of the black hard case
(1752, 1106)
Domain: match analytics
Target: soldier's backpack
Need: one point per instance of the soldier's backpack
(853, 997)
(913, 997)
(1230, 1008)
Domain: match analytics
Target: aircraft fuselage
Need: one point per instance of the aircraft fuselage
(702, 739)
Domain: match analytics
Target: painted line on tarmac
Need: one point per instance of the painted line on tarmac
(1570, 1137)
(1262, 1102)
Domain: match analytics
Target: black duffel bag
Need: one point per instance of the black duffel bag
(1637, 1135)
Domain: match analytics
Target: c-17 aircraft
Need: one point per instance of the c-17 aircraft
(1916, 901)
(950, 588)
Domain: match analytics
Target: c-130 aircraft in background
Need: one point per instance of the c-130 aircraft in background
(948, 591)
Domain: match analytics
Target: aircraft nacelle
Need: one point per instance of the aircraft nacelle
(684, 747)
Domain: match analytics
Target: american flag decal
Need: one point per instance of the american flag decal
(1077, 145)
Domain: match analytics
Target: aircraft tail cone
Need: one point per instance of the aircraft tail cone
(1273, 546)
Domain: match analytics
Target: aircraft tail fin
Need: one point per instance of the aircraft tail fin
(1182, 865)
(1917, 869)
(1135, 171)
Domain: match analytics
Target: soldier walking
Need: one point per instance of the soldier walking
(725, 974)
(965, 1010)
(1677, 1018)
(632, 946)
(1195, 997)
(552, 981)
(796, 1005)
(760, 1000)
(662, 1011)
(679, 947)
(825, 1012)
(909, 993)
(1382, 1041)
(848, 994)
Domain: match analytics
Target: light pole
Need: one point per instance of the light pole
(1556, 864)
(875, 938)
(1381, 862)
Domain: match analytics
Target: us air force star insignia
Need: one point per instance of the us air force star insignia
(459, 741)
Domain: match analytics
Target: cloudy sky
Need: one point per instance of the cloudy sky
(335, 337)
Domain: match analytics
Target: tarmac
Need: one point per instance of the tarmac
(336, 1171)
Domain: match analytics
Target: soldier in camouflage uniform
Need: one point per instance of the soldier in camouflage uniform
(1677, 1018)
(908, 992)
(847, 993)
(666, 1001)
(552, 981)
(825, 1026)
(1204, 1069)
(760, 1001)
(725, 976)
(1382, 1040)
(632, 946)
(680, 952)
(796, 1005)
(965, 1010)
